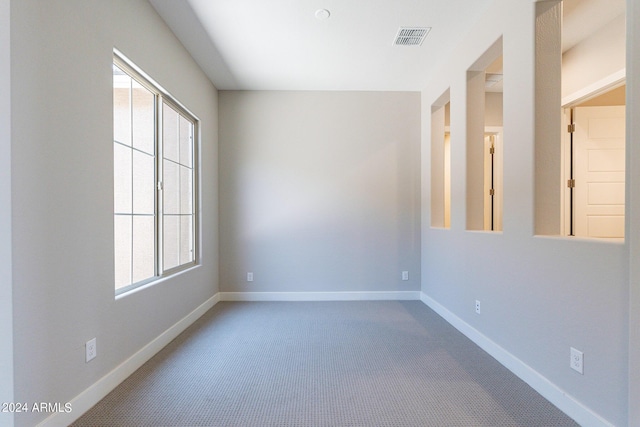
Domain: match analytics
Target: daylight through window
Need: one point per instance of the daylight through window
(154, 181)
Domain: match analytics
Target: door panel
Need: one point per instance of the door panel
(493, 168)
(447, 180)
(599, 150)
(601, 226)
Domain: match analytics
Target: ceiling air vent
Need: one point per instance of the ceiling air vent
(411, 36)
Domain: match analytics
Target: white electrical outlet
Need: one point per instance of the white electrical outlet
(249, 277)
(477, 307)
(405, 275)
(91, 351)
(577, 361)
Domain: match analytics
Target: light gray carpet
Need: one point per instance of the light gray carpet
(297, 364)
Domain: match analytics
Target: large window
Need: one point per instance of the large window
(154, 180)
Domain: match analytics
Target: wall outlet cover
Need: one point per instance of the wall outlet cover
(577, 361)
(91, 351)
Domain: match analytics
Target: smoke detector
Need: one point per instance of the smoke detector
(323, 14)
(411, 36)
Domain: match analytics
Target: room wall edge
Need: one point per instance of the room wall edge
(554, 394)
(97, 391)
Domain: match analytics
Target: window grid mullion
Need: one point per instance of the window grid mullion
(179, 190)
(133, 148)
(132, 175)
(159, 188)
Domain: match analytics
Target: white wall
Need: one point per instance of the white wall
(6, 310)
(595, 58)
(62, 188)
(539, 295)
(493, 109)
(319, 191)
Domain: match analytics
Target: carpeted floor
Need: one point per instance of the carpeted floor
(297, 364)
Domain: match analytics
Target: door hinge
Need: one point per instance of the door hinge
(492, 192)
(492, 150)
(571, 128)
(159, 185)
(571, 183)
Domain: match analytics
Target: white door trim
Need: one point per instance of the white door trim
(606, 84)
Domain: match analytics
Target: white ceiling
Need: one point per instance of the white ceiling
(281, 45)
(581, 18)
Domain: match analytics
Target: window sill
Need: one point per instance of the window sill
(155, 282)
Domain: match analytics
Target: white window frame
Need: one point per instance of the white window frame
(162, 97)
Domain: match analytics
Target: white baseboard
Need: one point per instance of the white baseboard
(92, 395)
(566, 403)
(320, 296)
(96, 392)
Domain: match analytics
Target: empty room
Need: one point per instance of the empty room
(319, 213)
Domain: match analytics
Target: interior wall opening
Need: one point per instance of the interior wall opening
(447, 174)
(580, 118)
(484, 141)
(593, 101)
(441, 162)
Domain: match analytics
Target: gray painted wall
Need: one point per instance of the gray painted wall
(6, 285)
(633, 211)
(319, 191)
(540, 295)
(62, 188)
